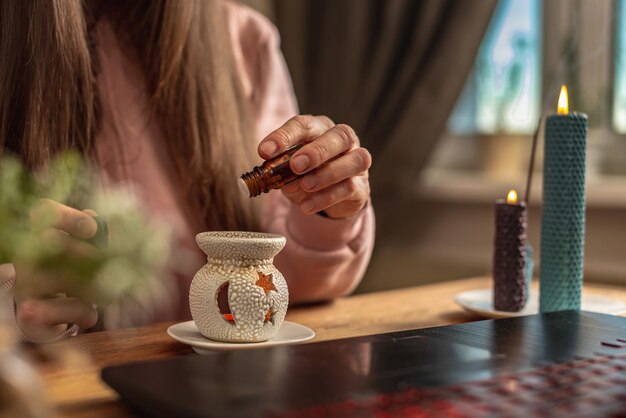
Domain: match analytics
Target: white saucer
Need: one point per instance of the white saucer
(480, 302)
(187, 333)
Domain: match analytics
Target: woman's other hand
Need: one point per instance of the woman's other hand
(42, 308)
(335, 164)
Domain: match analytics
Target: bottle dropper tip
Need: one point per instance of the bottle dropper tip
(243, 187)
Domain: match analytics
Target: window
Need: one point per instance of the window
(619, 96)
(530, 48)
(502, 93)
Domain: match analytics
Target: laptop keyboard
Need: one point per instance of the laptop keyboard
(583, 387)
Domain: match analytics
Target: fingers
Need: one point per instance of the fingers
(61, 310)
(353, 163)
(34, 281)
(298, 129)
(90, 212)
(294, 192)
(335, 165)
(60, 239)
(59, 228)
(348, 189)
(47, 213)
(334, 142)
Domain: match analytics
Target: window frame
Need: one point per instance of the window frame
(607, 147)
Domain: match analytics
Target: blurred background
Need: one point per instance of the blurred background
(447, 95)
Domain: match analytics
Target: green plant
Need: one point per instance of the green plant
(124, 268)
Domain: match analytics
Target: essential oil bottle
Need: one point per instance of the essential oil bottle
(272, 174)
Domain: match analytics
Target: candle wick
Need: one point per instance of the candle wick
(531, 165)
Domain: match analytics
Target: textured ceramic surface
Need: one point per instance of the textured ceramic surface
(257, 291)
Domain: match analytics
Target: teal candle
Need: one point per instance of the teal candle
(563, 214)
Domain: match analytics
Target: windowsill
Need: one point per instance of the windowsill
(448, 185)
(457, 208)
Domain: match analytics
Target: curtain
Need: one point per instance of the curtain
(392, 69)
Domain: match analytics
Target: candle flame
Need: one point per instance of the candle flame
(563, 106)
(511, 198)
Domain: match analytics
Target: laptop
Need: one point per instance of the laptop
(561, 363)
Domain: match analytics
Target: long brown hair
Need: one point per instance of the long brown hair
(49, 103)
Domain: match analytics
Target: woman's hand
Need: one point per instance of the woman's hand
(335, 164)
(42, 309)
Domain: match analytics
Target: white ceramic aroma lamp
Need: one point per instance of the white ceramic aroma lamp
(238, 295)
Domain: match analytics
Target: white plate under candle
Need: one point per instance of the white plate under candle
(187, 333)
(480, 302)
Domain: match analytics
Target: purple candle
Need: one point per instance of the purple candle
(509, 254)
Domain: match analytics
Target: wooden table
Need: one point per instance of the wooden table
(76, 391)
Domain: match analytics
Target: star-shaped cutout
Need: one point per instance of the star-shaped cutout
(265, 283)
(268, 315)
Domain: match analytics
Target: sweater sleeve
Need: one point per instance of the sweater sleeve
(324, 258)
(7, 278)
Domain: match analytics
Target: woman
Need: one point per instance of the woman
(168, 96)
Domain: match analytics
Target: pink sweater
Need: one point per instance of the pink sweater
(323, 259)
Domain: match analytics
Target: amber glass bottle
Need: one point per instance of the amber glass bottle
(272, 174)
